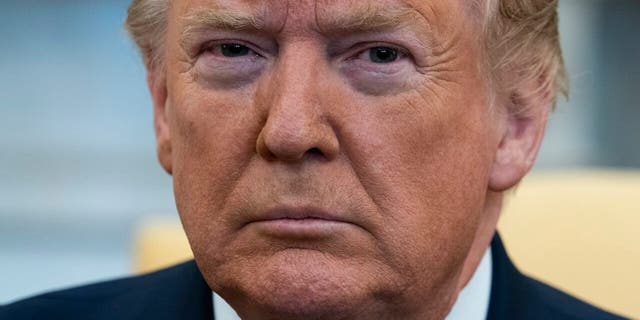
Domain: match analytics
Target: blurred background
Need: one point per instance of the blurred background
(77, 155)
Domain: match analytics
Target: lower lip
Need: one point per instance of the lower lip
(299, 228)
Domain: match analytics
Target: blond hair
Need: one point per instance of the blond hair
(520, 36)
(147, 25)
(523, 45)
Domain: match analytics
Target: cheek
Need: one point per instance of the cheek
(425, 165)
(213, 139)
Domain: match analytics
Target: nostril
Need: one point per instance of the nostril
(314, 153)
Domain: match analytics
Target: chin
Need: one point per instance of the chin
(301, 284)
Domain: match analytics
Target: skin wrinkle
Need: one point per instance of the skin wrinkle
(384, 251)
(203, 19)
(398, 217)
(441, 58)
(234, 180)
(378, 22)
(353, 166)
(425, 99)
(203, 192)
(362, 18)
(367, 19)
(411, 168)
(494, 16)
(220, 17)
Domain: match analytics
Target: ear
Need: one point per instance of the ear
(158, 89)
(521, 133)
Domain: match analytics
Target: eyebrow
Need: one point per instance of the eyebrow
(222, 18)
(204, 19)
(365, 18)
(362, 18)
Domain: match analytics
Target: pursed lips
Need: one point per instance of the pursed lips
(299, 223)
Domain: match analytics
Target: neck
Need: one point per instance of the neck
(482, 239)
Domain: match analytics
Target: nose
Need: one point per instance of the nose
(297, 125)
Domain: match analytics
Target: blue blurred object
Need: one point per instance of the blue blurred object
(77, 166)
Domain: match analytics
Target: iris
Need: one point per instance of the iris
(383, 54)
(232, 50)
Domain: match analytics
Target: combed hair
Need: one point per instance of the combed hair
(520, 38)
(147, 25)
(523, 45)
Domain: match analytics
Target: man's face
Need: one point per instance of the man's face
(329, 157)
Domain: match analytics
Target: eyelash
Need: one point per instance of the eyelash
(209, 46)
(363, 48)
(359, 49)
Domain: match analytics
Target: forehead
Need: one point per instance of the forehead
(326, 14)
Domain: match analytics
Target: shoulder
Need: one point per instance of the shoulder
(551, 303)
(105, 300)
(516, 296)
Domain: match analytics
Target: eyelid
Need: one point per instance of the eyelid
(209, 45)
(360, 48)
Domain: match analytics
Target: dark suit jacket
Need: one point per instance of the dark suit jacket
(180, 292)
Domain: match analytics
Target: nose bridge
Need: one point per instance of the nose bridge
(294, 89)
(295, 122)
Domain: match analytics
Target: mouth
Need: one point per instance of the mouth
(304, 223)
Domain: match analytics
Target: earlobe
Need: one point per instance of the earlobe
(521, 137)
(158, 89)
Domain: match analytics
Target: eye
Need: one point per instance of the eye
(382, 54)
(229, 63)
(232, 50)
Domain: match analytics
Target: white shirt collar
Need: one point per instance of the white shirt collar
(222, 310)
(473, 300)
(472, 303)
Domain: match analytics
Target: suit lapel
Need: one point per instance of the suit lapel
(511, 293)
(503, 275)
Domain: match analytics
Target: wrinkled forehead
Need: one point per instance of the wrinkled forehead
(326, 15)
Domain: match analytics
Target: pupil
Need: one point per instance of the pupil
(383, 54)
(234, 50)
